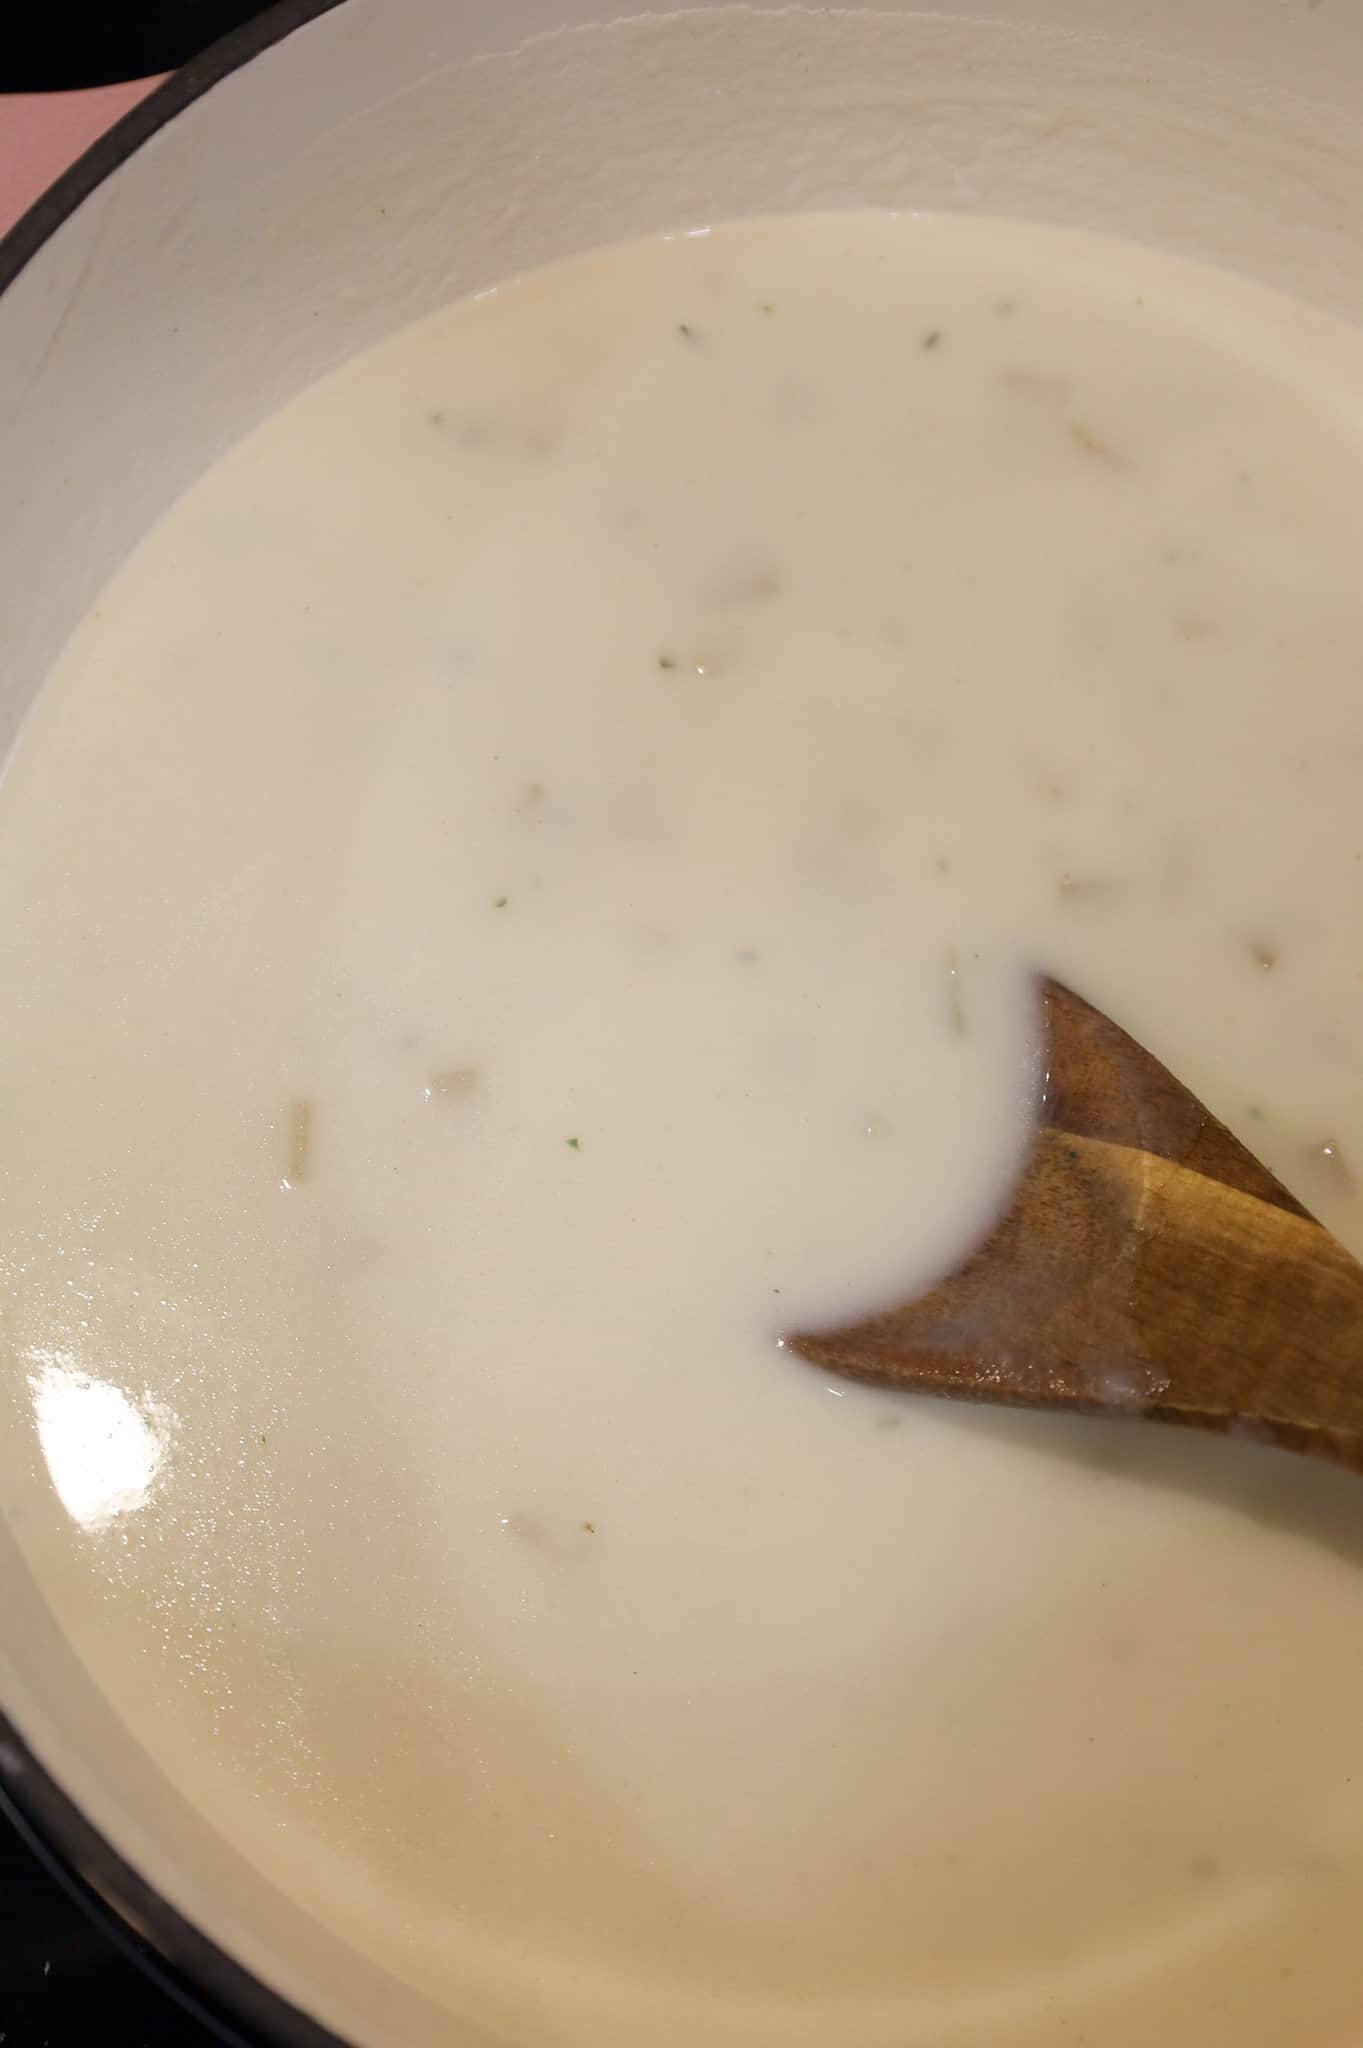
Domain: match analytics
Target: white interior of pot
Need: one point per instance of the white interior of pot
(398, 152)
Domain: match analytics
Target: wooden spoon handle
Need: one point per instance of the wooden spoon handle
(1125, 1283)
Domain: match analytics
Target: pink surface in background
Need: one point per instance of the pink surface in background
(42, 132)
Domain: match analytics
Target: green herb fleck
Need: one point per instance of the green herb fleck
(1256, 1112)
(300, 1140)
(501, 903)
(687, 333)
(574, 1144)
(667, 661)
(931, 340)
(765, 306)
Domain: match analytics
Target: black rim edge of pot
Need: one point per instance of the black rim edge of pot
(216, 1991)
(220, 1992)
(194, 78)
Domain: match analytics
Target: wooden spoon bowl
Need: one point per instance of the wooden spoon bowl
(1147, 1266)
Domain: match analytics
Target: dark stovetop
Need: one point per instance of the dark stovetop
(64, 1983)
(65, 44)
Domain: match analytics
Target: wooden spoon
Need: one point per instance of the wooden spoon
(1147, 1266)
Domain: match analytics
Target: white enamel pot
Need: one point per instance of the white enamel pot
(336, 170)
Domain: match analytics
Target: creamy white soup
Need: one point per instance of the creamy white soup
(524, 890)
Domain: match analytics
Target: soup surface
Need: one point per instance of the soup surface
(525, 888)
